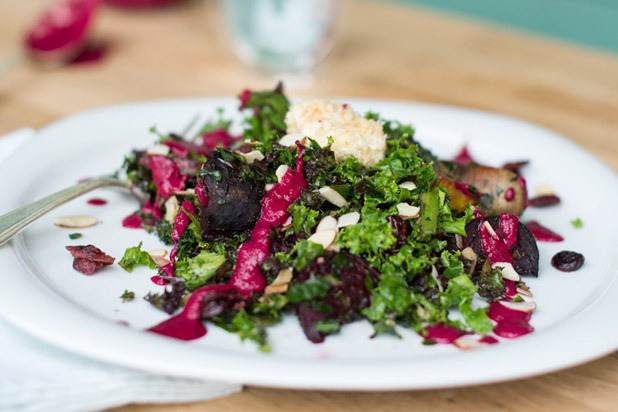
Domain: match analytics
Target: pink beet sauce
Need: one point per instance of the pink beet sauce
(477, 213)
(166, 176)
(493, 246)
(219, 137)
(488, 339)
(522, 184)
(244, 98)
(158, 280)
(187, 325)
(97, 202)
(511, 288)
(180, 225)
(135, 222)
(201, 193)
(463, 187)
(513, 328)
(498, 313)
(132, 222)
(543, 234)
(247, 276)
(509, 195)
(508, 226)
(463, 157)
(441, 333)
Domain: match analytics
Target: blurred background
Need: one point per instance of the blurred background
(553, 62)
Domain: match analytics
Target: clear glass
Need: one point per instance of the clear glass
(281, 36)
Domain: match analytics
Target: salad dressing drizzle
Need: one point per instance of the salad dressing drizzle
(247, 276)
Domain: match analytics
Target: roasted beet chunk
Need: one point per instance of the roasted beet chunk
(525, 252)
(89, 258)
(233, 201)
(342, 277)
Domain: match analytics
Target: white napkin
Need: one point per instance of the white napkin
(37, 377)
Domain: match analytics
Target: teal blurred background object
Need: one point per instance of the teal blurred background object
(587, 22)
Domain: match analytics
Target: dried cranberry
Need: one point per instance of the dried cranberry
(89, 258)
(543, 201)
(566, 261)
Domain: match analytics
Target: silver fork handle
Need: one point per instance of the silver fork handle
(14, 222)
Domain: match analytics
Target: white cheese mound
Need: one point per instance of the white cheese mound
(353, 135)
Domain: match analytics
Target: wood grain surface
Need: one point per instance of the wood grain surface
(381, 50)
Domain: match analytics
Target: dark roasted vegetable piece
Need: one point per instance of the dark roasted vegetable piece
(501, 189)
(525, 252)
(233, 201)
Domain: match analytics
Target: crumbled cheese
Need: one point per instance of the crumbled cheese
(353, 135)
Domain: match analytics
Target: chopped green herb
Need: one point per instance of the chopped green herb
(135, 256)
(75, 235)
(127, 296)
(577, 223)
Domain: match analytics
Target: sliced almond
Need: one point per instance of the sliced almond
(434, 275)
(544, 190)
(157, 253)
(407, 211)
(75, 222)
(185, 192)
(524, 291)
(467, 342)
(328, 222)
(349, 219)
(158, 149)
(160, 260)
(269, 186)
(469, 254)
(408, 185)
(171, 209)
(252, 156)
(324, 238)
(288, 222)
(334, 247)
(522, 306)
(491, 230)
(291, 139)
(508, 272)
(281, 171)
(281, 282)
(333, 196)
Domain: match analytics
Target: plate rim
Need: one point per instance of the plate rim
(272, 380)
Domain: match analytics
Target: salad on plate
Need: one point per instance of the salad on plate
(319, 212)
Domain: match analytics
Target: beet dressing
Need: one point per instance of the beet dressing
(180, 225)
(247, 276)
(543, 234)
(135, 222)
(441, 333)
(97, 202)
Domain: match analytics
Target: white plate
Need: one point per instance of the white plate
(44, 296)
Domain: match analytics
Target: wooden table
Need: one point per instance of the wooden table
(382, 50)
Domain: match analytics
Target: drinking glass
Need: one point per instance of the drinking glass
(281, 36)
